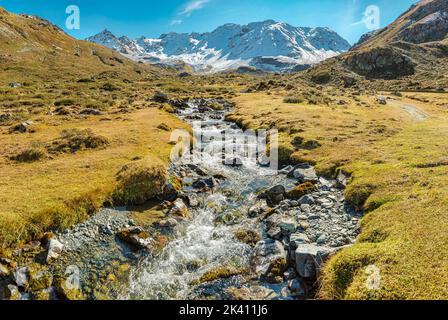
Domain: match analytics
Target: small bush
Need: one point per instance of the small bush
(301, 190)
(216, 106)
(32, 154)
(321, 77)
(249, 237)
(164, 127)
(167, 108)
(73, 140)
(160, 97)
(65, 102)
(109, 87)
(294, 99)
(216, 274)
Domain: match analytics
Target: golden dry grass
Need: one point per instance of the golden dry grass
(62, 190)
(399, 169)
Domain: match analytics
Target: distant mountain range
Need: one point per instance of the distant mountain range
(268, 45)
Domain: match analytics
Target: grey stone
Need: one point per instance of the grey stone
(275, 233)
(21, 277)
(306, 200)
(192, 200)
(322, 239)
(265, 253)
(304, 173)
(288, 225)
(275, 194)
(297, 239)
(168, 223)
(296, 288)
(54, 250)
(15, 85)
(309, 259)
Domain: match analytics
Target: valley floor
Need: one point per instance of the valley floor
(53, 177)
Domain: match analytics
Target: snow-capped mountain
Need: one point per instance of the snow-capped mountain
(267, 45)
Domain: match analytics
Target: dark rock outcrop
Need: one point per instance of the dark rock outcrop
(383, 63)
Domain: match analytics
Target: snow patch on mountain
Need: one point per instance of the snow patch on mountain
(268, 45)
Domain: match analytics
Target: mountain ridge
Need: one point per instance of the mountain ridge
(33, 47)
(231, 46)
(411, 53)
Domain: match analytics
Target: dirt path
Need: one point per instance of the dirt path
(416, 113)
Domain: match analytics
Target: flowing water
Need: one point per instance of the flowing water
(206, 242)
(203, 244)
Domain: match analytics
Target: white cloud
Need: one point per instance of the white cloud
(176, 22)
(193, 6)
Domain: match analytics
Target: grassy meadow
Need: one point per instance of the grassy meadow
(398, 171)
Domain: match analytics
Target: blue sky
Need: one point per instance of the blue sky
(152, 18)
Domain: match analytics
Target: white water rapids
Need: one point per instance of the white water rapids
(202, 244)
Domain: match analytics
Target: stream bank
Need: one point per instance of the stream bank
(230, 232)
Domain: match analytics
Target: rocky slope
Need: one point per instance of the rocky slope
(267, 45)
(412, 51)
(33, 47)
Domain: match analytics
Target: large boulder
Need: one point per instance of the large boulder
(309, 259)
(135, 237)
(269, 260)
(274, 195)
(304, 173)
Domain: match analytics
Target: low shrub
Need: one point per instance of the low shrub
(301, 190)
(32, 154)
(321, 77)
(294, 99)
(65, 102)
(73, 140)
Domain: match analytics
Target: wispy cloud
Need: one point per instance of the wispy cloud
(176, 22)
(187, 9)
(192, 6)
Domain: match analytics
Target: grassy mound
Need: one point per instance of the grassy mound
(139, 182)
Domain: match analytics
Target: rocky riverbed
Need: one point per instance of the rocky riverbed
(233, 230)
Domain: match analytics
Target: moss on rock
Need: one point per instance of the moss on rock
(249, 237)
(218, 273)
(299, 191)
(139, 182)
